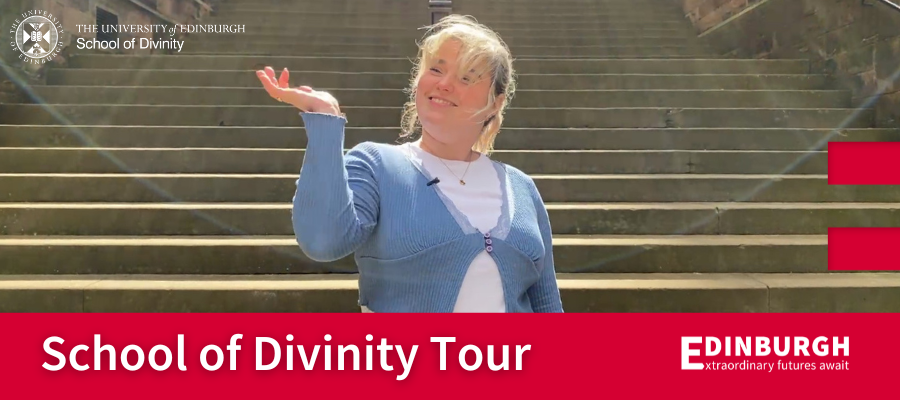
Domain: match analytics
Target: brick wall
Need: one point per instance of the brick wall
(855, 42)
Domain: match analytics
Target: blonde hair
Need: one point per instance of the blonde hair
(482, 50)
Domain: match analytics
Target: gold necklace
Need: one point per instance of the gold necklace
(461, 181)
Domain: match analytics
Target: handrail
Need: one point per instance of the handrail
(891, 4)
(203, 4)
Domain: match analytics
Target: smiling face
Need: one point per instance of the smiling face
(448, 101)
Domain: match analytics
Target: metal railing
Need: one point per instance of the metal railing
(891, 4)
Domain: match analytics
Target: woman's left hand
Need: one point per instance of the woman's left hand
(303, 97)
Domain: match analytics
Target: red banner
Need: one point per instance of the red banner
(618, 355)
(863, 249)
(864, 163)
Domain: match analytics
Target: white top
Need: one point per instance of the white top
(480, 200)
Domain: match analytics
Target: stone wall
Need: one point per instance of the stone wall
(855, 42)
(705, 14)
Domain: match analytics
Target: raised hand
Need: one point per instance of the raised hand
(302, 97)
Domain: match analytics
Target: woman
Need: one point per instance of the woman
(435, 225)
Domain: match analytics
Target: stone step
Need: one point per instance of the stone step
(403, 64)
(494, 10)
(410, 49)
(245, 15)
(414, 2)
(563, 13)
(629, 292)
(400, 80)
(596, 15)
(406, 33)
(656, 38)
(514, 42)
(642, 4)
(396, 97)
(335, 3)
(672, 55)
(602, 15)
(503, 31)
(400, 6)
(314, 33)
(510, 138)
(253, 22)
(227, 10)
(282, 255)
(327, 7)
(549, 3)
(563, 8)
(288, 5)
(259, 13)
(554, 3)
(415, 17)
(288, 161)
(355, 51)
(499, 9)
(522, 117)
(215, 219)
(268, 188)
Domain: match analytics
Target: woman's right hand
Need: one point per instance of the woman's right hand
(303, 97)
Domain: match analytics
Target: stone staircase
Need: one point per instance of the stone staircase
(676, 180)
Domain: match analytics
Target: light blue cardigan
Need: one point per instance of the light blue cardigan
(412, 246)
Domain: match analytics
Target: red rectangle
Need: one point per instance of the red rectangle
(863, 249)
(627, 356)
(864, 163)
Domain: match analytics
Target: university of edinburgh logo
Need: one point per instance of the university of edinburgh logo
(37, 36)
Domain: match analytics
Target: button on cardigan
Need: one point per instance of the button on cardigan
(411, 245)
